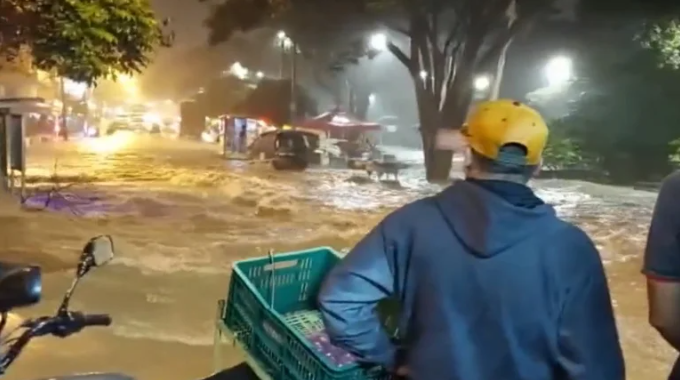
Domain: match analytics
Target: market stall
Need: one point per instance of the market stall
(349, 133)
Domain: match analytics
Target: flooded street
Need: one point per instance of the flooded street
(180, 215)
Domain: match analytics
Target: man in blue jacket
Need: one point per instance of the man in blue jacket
(492, 284)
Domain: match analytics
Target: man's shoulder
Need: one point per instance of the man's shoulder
(565, 233)
(671, 183)
(574, 249)
(575, 234)
(668, 201)
(413, 209)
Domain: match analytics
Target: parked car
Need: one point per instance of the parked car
(288, 149)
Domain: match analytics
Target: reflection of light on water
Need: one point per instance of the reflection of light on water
(164, 262)
(109, 144)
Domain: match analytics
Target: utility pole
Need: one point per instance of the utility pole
(63, 131)
(282, 64)
(4, 150)
(293, 82)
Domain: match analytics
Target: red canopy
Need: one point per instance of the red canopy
(337, 121)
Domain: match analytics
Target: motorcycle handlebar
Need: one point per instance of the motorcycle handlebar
(61, 325)
(96, 320)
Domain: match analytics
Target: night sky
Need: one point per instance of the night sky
(526, 57)
(187, 19)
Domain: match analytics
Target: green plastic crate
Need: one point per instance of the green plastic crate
(272, 305)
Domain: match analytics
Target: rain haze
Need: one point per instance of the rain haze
(157, 161)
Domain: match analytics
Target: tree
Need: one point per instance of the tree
(658, 23)
(81, 40)
(447, 41)
(664, 38)
(626, 116)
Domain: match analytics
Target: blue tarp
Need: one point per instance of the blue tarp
(80, 203)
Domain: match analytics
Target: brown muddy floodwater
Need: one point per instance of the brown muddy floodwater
(180, 216)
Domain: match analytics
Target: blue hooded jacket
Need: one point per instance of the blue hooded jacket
(489, 291)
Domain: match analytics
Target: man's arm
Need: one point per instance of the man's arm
(350, 294)
(664, 309)
(662, 263)
(588, 343)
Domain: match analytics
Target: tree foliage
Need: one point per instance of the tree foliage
(663, 37)
(81, 39)
(658, 23)
(627, 115)
(563, 152)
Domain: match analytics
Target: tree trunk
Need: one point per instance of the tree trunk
(361, 103)
(437, 162)
(495, 92)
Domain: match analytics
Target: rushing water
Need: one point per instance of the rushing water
(181, 215)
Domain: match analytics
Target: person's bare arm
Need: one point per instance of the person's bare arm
(662, 262)
(664, 309)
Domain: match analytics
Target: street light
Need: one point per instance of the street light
(284, 41)
(75, 89)
(482, 83)
(260, 74)
(423, 74)
(239, 71)
(378, 42)
(286, 44)
(559, 71)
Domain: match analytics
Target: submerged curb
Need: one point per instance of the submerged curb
(38, 140)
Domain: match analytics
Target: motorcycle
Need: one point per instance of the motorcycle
(21, 286)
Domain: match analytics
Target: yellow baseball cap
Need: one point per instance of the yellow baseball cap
(496, 124)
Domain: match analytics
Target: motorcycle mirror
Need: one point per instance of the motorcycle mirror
(97, 252)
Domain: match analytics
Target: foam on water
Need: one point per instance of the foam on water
(137, 329)
(181, 216)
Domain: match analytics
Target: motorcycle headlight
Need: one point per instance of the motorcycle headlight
(20, 285)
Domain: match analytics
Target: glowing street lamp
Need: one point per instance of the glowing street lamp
(75, 89)
(559, 71)
(482, 83)
(239, 70)
(284, 41)
(423, 74)
(260, 74)
(378, 42)
(129, 84)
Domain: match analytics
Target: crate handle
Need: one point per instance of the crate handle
(272, 266)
